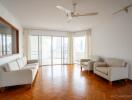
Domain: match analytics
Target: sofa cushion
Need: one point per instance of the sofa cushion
(20, 62)
(31, 66)
(102, 69)
(11, 66)
(114, 62)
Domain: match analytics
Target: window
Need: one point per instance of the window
(65, 50)
(49, 49)
(9, 41)
(52, 48)
(78, 48)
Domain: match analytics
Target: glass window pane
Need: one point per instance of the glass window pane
(57, 50)
(0, 44)
(46, 50)
(4, 44)
(78, 48)
(65, 52)
(9, 44)
(52, 50)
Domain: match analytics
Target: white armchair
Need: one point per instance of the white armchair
(112, 69)
(84, 63)
(87, 64)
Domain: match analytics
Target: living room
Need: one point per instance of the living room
(65, 49)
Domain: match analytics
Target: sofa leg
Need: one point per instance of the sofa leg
(2, 89)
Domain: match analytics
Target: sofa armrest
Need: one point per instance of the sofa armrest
(117, 73)
(84, 60)
(32, 61)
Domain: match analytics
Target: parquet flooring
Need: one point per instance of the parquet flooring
(67, 82)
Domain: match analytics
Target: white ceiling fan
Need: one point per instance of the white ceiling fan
(70, 14)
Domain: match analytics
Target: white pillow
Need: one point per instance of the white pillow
(20, 62)
(12, 66)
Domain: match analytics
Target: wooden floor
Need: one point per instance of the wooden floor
(69, 83)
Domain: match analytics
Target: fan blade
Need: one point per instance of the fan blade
(118, 11)
(86, 14)
(63, 9)
(123, 9)
(128, 6)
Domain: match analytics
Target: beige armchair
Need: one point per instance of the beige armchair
(112, 69)
(87, 64)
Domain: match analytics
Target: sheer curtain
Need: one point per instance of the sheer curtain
(85, 42)
(70, 49)
(69, 35)
(26, 43)
(88, 44)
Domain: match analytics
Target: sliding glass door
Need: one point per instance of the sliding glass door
(50, 50)
(57, 50)
(46, 50)
(65, 52)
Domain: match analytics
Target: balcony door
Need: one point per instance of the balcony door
(57, 50)
(50, 50)
(46, 50)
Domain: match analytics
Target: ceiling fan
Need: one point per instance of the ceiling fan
(70, 14)
(123, 9)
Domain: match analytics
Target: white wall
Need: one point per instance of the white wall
(4, 13)
(113, 38)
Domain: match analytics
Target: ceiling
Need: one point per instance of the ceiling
(43, 14)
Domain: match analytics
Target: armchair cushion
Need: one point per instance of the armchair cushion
(102, 70)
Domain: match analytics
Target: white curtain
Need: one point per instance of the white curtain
(70, 48)
(87, 44)
(87, 51)
(26, 43)
(70, 35)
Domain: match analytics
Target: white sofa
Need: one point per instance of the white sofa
(87, 64)
(18, 72)
(112, 69)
